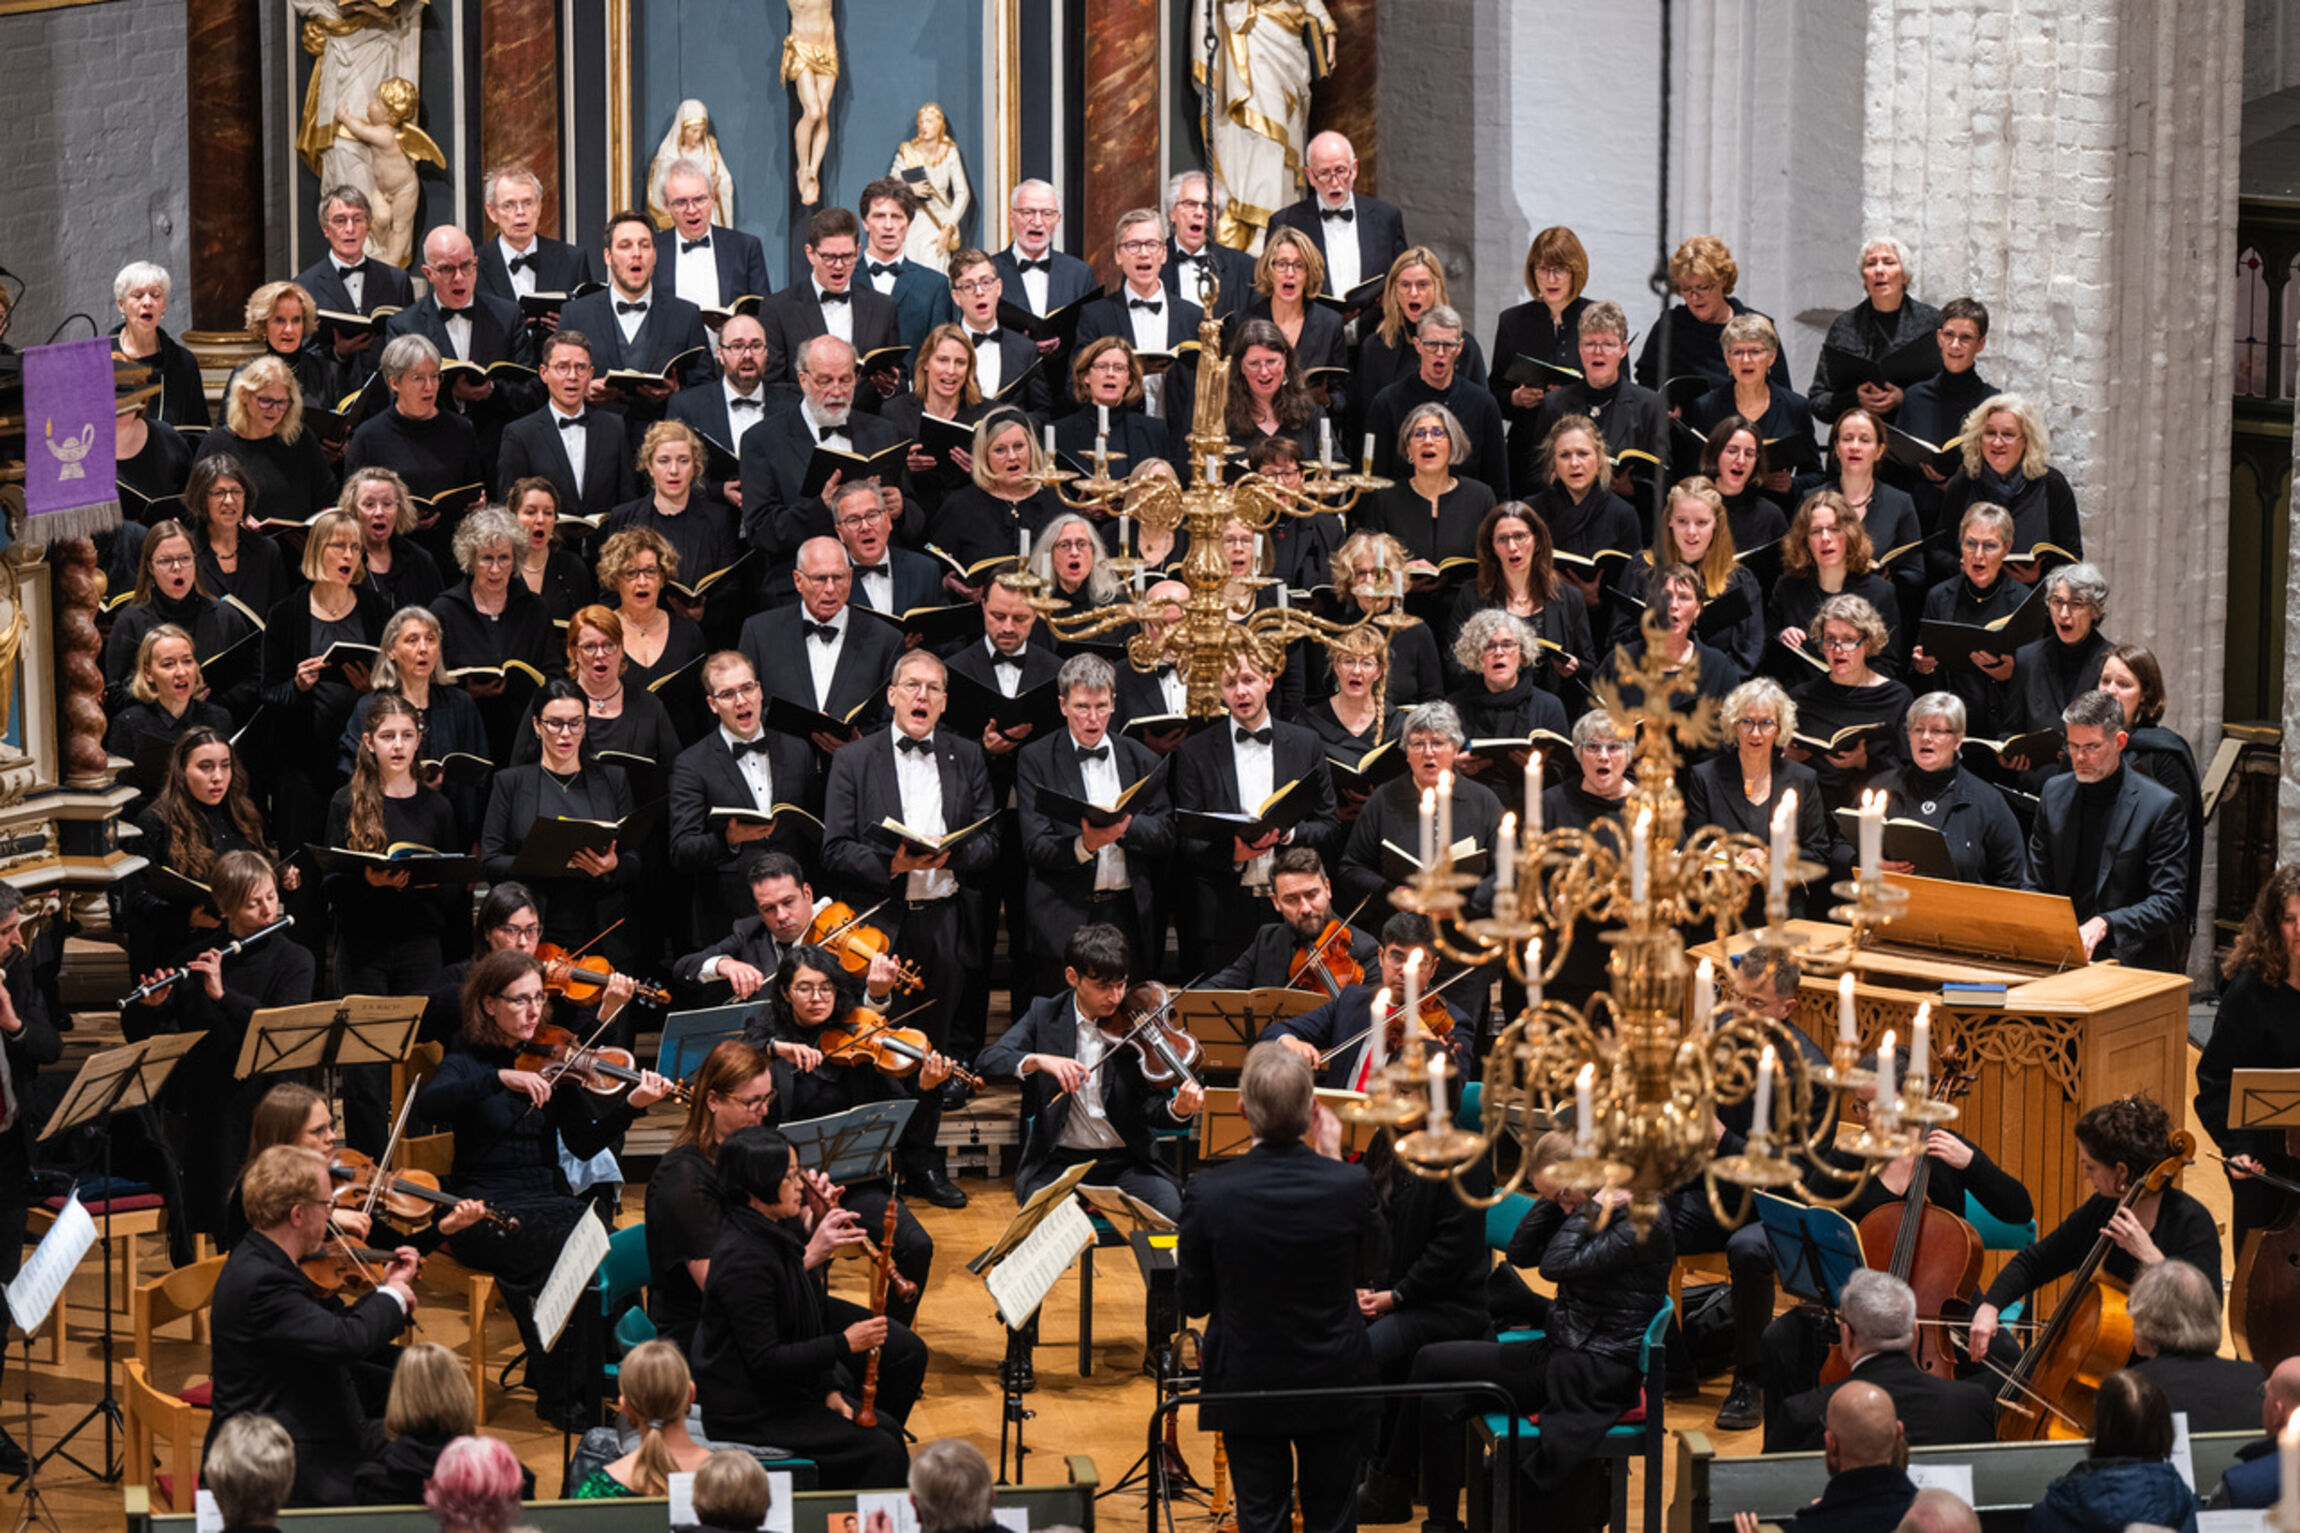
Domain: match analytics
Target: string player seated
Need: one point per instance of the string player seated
(1338, 1038)
(1877, 1326)
(1304, 901)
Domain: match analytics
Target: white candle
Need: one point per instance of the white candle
(1505, 855)
(1022, 545)
(1533, 827)
(1872, 832)
(1257, 550)
(1369, 452)
(1761, 1120)
(1845, 1032)
(1050, 441)
(1777, 874)
(1102, 421)
(1533, 972)
(1585, 1111)
(1377, 1042)
(1445, 813)
(1429, 827)
(2288, 1460)
(1141, 576)
(1398, 583)
(1705, 996)
(1325, 441)
(1885, 1102)
(1437, 1090)
(1283, 594)
(1213, 467)
(1921, 1052)
(1639, 835)
(1125, 533)
(1413, 995)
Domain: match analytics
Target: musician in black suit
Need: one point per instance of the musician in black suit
(1079, 872)
(1304, 901)
(696, 260)
(281, 1348)
(886, 579)
(633, 324)
(2175, 1312)
(28, 1040)
(2114, 842)
(1149, 316)
(818, 653)
(726, 408)
(777, 514)
(828, 301)
(469, 326)
(1003, 359)
(920, 294)
(520, 260)
(583, 452)
(1039, 277)
(1877, 1328)
(1192, 252)
(348, 280)
(1083, 1095)
(1275, 1247)
(738, 765)
(748, 956)
(1336, 1037)
(1358, 236)
(934, 783)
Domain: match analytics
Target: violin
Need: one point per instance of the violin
(1168, 1054)
(866, 1037)
(854, 943)
(2048, 1394)
(557, 1055)
(1436, 1020)
(344, 1268)
(584, 981)
(410, 1197)
(1325, 967)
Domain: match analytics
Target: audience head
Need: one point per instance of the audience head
(431, 1396)
(1938, 1511)
(951, 1487)
(655, 1390)
(732, 1492)
(1863, 1429)
(476, 1486)
(1879, 1311)
(2131, 1418)
(250, 1468)
(2175, 1309)
(2280, 1396)
(1275, 1093)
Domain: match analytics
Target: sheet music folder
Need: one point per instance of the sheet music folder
(352, 1030)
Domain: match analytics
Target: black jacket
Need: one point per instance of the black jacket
(863, 790)
(1392, 814)
(740, 258)
(763, 1348)
(2136, 881)
(867, 649)
(2220, 1394)
(1206, 777)
(749, 942)
(706, 777)
(794, 317)
(1233, 272)
(670, 327)
(1713, 796)
(1343, 1025)
(1609, 1287)
(558, 268)
(533, 444)
(1984, 839)
(1133, 1108)
(507, 1150)
(1112, 315)
(1933, 1411)
(1059, 888)
(777, 516)
(1266, 961)
(1858, 1501)
(1379, 226)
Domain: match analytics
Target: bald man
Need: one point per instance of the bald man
(471, 326)
(1939, 1511)
(2252, 1480)
(1358, 235)
(1868, 1487)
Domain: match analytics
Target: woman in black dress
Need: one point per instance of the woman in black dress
(2155, 750)
(1592, 531)
(168, 592)
(2048, 672)
(547, 568)
(2008, 463)
(942, 384)
(435, 451)
(622, 717)
(1106, 382)
(593, 890)
(1500, 701)
(989, 518)
(264, 429)
(1736, 461)
(151, 460)
(1857, 446)
(2257, 1028)
(1415, 285)
(1694, 532)
(1933, 787)
(1353, 718)
(1826, 553)
(1850, 693)
(1703, 274)
(1288, 277)
(1434, 514)
(1782, 419)
(1977, 595)
(676, 509)
(1517, 572)
(1676, 596)
(510, 1126)
(1885, 321)
(452, 727)
(1367, 571)
(141, 291)
(235, 559)
(490, 621)
(281, 318)
(1547, 328)
(1740, 787)
(166, 689)
(660, 643)
(1069, 557)
(203, 810)
(775, 1360)
(1267, 395)
(732, 1091)
(399, 572)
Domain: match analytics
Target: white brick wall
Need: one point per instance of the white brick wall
(93, 176)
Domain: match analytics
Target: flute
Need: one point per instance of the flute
(167, 977)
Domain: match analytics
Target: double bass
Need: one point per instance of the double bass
(2264, 1299)
(2049, 1393)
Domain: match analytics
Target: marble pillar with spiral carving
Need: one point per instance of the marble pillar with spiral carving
(80, 592)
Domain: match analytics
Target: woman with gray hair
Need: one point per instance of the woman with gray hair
(1431, 738)
(1434, 512)
(1887, 323)
(1068, 556)
(1934, 787)
(141, 290)
(436, 451)
(250, 1467)
(1500, 701)
(489, 619)
(1742, 785)
(2008, 463)
(2066, 662)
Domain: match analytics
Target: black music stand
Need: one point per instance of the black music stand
(1037, 1263)
(1814, 1249)
(328, 1035)
(115, 1081)
(852, 1146)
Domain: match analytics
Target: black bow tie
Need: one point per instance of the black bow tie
(827, 632)
(1093, 752)
(742, 748)
(1041, 265)
(517, 263)
(1154, 305)
(570, 422)
(986, 338)
(449, 311)
(355, 269)
(745, 402)
(1255, 736)
(829, 297)
(827, 432)
(625, 306)
(915, 747)
(870, 569)
(1344, 214)
(1012, 660)
(884, 268)
(688, 247)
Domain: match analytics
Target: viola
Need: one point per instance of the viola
(854, 942)
(558, 1055)
(1168, 1054)
(2049, 1393)
(1325, 966)
(585, 980)
(344, 1268)
(409, 1197)
(866, 1037)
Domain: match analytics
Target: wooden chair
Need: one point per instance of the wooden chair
(436, 1153)
(155, 1415)
(132, 1218)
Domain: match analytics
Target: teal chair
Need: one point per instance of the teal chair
(1638, 1436)
(621, 1278)
(1996, 1235)
(1501, 1222)
(1465, 1114)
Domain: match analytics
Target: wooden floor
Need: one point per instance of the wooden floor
(1103, 1414)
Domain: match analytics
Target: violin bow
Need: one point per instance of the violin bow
(383, 1161)
(597, 937)
(1361, 1036)
(1128, 1037)
(2264, 1178)
(888, 1024)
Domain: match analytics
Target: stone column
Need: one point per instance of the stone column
(519, 93)
(223, 120)
(1122, 124)
(1346, 100)
(2288, 788)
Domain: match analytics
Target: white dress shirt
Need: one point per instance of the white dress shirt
(883, 284)
(740, 421)
(629, 321)
(1341, 247)
(1102, 789)
(918, 782)
(756, 770)
(1088, 1127)
(1149, 335)
(354, 280)
(1190, 271)
(989, 364)
(823, 656)
(458, 328)
(840, 437)
(573, 439)
(695, 273)
(523, 277)
(1173, 690)
(838, 318)
(875, 589)
(1257, 768)
(1007, 677)
(1033, 282)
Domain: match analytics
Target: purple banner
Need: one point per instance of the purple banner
(70, 489)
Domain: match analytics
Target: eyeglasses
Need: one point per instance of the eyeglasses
(921, 688)
(836, 257)
(460, 268)
(350, 218)
(861, 519)
(264, 402)
(1839, 644)
(568, 369)
(522, 1000)
(561, 726)
(811, 988)
(524, 932)
(1142, 247)
(1429, 345)
(1933, 732)
(1758, 726)
(517, 204)
(975, 285)
(1288, 263)
(742, 346)
(1427, 434)
(735, 693)
(172, 562)
(1983, 546)
(597, 647)
(1750, 353)
(1511, 539)
(758, 1103)
(649, 571)
(1035, 215)
(1604, 748)
(687, 204)
(1502, 646)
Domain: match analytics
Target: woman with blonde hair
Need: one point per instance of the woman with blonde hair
(288, 474)
(1825, 554)
(281, 318)
(1741, 785)
(1288, 277)
(430, 1406)
(1367, 572)
(656, 1391)
(636, 567)
(1696, 532)
(2008, 463)
(402, 574)
(942, 384)
(1850, 694)
(989, 518)
(675, 508)
(1703, 275)
(1415, 285)
(168, 592)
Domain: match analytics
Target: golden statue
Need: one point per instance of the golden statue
(394, 143)
(355, 45)
(1256, 94)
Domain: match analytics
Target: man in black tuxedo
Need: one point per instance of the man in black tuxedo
(1080, 872)
(1304, 901)
(2175, 1313)
(634, 324)
(888, 580)
(704, 263)
(920, 294)
(2114, 842)
(281, 1348)
(1358, 236)
(1877, 1327)
(583, 452)
(828, 301)
(1039, 277)
(28, 1040)
(1148, 315)
(1233, 768)
(1193, 251)
(1007, 365)
(748, 956)
(1084, 1096)
(725, 409)
(350, 281)
(469, 326)
(521, 260)
(739, 765)
(934, 783)
(1160, 691)
(777, 514)
(818, 653)
(1343, 1027)
(1438, 340)
(1275, 1247)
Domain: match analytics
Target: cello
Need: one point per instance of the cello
(2264, 1299)
(2048, 1394)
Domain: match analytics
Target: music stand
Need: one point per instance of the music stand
(327, 1035)
(1814, 1249)
(852, 1146)
(2264, 1099)
(1227, 1023)
(112, 1082)
(690, 1035)
(31, 1297)
(1223, 1134)
(1041, 1241)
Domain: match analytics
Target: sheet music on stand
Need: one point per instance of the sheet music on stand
(1126, 1212)
(1814, 1249)
(353, 1030)
(690, 1035)
(51, 1265)
(1022, 1281)
(118, 1080)
(1227, 1023)
(850, 1146)
(1026, 1217)
(570, 1278)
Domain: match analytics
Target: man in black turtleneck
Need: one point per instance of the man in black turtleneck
(2114, 842)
